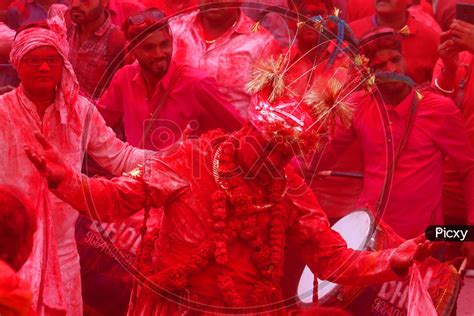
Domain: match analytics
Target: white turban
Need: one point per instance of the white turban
(56, 37)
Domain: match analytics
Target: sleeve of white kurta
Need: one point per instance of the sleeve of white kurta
(153, 184)
(109, 151)
(324, 250)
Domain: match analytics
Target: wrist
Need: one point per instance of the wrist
(442, 89)
(54, 181)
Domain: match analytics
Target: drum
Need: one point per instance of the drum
(387, 299)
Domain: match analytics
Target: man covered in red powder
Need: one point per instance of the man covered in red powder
(48, 101)
(155, 97)
(230, 202)
(426, 128)
(415, 34)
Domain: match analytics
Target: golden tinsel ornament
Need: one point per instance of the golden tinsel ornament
(269, 75)
(327, 107)
(405, 31)
(256, 27)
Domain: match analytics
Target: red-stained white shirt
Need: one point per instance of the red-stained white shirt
(53, 266)
(229, 59)
(415, 194)
(420, 47)
(191, 98)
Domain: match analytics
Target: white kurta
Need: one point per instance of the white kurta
(53, 267)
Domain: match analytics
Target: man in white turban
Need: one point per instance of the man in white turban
(47, 101)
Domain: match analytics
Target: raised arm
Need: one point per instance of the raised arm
(100, 198)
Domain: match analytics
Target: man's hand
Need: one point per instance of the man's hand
(48, 162)
(413, 249)
(463, 35)
(448, 51)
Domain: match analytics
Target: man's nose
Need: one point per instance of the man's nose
(160, 53)
(74, 3)
(392, 67)
(44, 66)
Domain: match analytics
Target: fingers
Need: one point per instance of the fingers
(36, 159)
(459, 24)
(448, 47)
(420, 239)
(444, 36)
(43, 141)
(423, 251)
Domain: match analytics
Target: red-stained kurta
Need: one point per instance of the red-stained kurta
(415, 195)
(183, 182)
(229, 59)
(52, 269)
(192, 98)
(420, 62)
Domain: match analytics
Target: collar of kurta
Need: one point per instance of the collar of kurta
(102, 29)
(409, 29)
(164, 82)
(26, 102)
(403, 108)
(244, 24)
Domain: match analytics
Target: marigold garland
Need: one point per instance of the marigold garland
(234, 214)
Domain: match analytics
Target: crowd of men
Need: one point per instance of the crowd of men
(125, 89)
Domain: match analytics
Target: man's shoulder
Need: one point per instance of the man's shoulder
(116, 35)
(424, 32)
(126, 74)
(182, 22)
(8, 100)
(433, 103)
(361, 26)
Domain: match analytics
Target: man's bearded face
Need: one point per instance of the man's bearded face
(389, 60)
(154, 53)
(41, 70)
(83, 12)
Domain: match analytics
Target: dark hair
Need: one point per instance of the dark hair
(136, 33)
(378, 39)
(17, 226)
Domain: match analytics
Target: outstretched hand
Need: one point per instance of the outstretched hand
(48, 161)
(413, 249)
